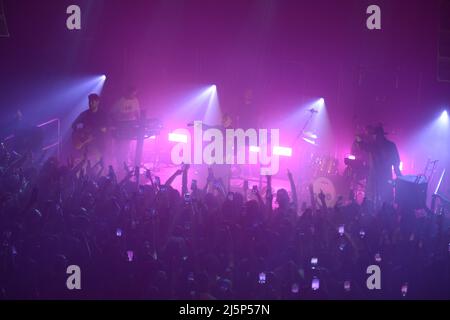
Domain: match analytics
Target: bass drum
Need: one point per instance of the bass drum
(328, 188)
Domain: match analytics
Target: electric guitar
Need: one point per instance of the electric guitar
(82, 138)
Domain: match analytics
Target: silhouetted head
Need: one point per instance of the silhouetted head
(378, 132)
(94, 101)
(283, 198)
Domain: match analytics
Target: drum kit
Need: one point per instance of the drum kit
(325, 185)
(324, 177)
(319, 171)
(324, 166)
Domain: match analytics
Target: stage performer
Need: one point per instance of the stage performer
(222, 172)
(384, 156)
(89, 130)
(127, 109)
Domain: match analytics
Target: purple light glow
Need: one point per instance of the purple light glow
(178, 137)
(282, 151)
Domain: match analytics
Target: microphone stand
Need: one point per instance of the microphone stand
(312, 112)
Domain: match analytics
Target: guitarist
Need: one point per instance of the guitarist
(89, 130)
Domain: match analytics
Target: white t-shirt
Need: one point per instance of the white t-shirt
(127, 109)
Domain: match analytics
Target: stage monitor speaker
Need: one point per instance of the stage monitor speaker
(411, 191)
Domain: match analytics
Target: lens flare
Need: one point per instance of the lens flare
(178, 137)
(282, 151)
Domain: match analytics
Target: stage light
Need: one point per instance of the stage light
(309, 141)
(282, 151)
(100, 82)
(401, 166)
(439, 183)
(430, 143)
(177, 137)
(318, 105)
(351, 157)
(254, 149)
(212, 113)
(211, 89)
(310, 135)
(444, 117)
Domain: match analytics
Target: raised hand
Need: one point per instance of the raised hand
(112, 173)
(125, 167)
(70, 162)
(289, 174)
(148, 174)
(269, 195)
(100, 163)
(321, 196)
(269, 182)
(210, 174)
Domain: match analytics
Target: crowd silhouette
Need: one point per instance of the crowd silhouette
(143, 239)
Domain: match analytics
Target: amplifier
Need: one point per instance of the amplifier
(411, 191)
